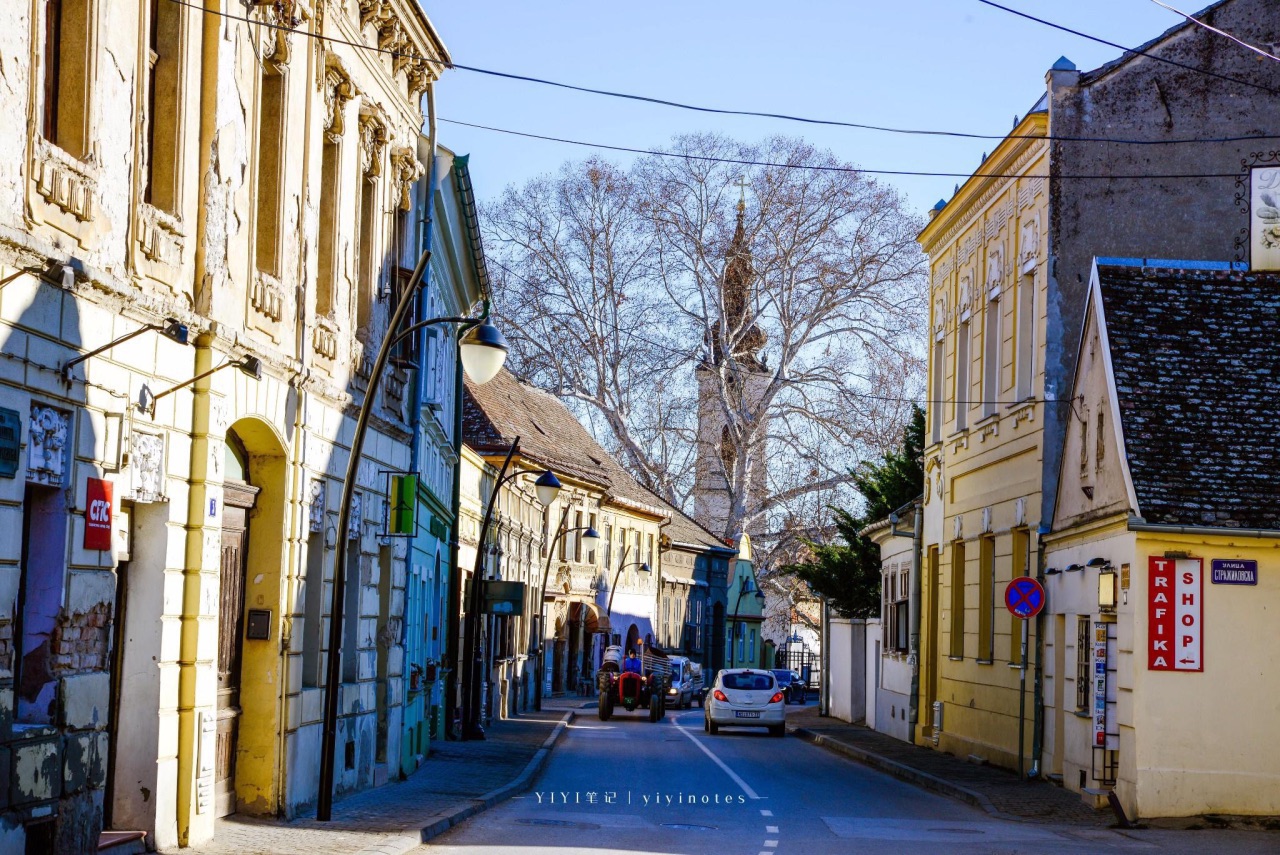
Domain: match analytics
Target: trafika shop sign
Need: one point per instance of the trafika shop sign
(1175, 614)
(97, 514)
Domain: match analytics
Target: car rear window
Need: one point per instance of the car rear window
(748, 681)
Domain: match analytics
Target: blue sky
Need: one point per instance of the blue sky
(944, 64)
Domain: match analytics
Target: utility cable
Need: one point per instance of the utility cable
(1128, 50)
(730, 112)
(1199, 23)
(818, 168)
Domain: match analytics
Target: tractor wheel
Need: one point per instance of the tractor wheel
(655, 711)
(606, 706)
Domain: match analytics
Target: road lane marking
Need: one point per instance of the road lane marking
(751, 794)
(766, 813)
(771, 829)
(771, 843)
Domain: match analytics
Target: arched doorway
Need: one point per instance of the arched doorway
(249, 665)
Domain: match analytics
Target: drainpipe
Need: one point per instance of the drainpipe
(1037, 727)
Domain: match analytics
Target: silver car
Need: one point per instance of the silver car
(746, 697)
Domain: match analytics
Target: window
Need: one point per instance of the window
(366, 275)
(271, 146)
(1084, 443)
(1021, 555)
(986, 598)
(591, 556)
(40, 590)
(751, 647)
(1100, 440)
(991, 356)
(896, 606)
(962, 377)
(577, 536)
(313, 600)
(957, 599)
(327, 275)
(608, 548)
(935, 406)
(1082, 662)
(1025, 340)
(164, 41)
(564, 545)
(67, 84)
(648, 553)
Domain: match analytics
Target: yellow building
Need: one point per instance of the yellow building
(1163, 578)
(254, 185)
(984, 442)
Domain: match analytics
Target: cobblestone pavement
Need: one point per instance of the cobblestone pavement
(996, 790)
(457, 780)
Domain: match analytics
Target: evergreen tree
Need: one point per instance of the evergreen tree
(846, 571)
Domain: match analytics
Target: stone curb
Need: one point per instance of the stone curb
(905, 773)
(411, 838)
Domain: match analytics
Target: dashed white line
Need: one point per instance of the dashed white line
(751, 794)
(771, 843)
(766, 813)
(771, 829)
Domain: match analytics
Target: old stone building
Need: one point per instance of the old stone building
(1149, 156)
(230, 201)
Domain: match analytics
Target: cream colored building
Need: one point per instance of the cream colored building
(252, 184)
(984, 442)
(1162, 577)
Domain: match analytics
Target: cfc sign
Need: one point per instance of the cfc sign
(1175, 614)
(97, 514)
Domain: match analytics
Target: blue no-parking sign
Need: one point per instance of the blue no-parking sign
(1024, 597)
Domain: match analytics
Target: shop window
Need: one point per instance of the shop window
(1083, 683)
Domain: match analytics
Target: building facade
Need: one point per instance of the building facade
(255, 188)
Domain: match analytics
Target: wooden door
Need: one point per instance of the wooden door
(237, 500)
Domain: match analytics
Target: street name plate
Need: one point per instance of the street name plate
(1234, 571)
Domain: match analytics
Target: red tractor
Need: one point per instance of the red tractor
(622, 687)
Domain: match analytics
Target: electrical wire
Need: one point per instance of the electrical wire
(857, 170)
(647, 99)
(1129, 50)
(1199, 23)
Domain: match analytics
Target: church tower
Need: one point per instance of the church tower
(731, 373)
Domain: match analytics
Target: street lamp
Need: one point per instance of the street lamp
(644, 568)
(547, 487)
(480, 353)
(250, 367)
(745, 588)
(590, 540)
(172, 329)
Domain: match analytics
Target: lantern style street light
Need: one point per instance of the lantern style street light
(482, 351)
(590, 540)
(547, 488)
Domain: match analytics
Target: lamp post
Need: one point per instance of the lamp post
(547, 487)
(482, 351)
(745, 588)
(644, 568)
(590, 540)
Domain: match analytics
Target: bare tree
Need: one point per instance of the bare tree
(770, 289)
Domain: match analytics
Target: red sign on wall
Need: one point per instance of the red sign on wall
(97, 514)
(1175, 614)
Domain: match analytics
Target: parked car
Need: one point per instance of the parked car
(745, 697)
(792, 686)
(696, 685)
(681, 692)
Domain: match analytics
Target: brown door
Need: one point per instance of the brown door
(238, 499)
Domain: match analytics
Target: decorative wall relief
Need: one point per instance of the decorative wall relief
(315, 507)
(1029, 245)
(357, 516)
(47, 438)
(966, 292)
(373, 139)
(63, 181)
(160, 236)
(267, 296)
(324, 338)
(405, 170)
(338, 91)
(995, 268)
(146, 467)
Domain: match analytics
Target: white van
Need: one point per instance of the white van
(682, 691)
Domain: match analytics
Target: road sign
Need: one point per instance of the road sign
(1175, 588)
(1234, 572)
(1023, 597)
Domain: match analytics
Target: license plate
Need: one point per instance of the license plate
(742, 714)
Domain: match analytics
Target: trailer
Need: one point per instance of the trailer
(628, 690)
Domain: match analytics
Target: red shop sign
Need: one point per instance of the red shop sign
(1175, 614)
(97, 514)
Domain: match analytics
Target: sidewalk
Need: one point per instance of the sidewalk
(458, 780)
(995, 790)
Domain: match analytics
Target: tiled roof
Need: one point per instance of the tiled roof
(506, 407)
(1197, 375)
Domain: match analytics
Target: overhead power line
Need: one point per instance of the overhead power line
(724, 111)
(734, 161)
(1128, 50)
(1199, 23)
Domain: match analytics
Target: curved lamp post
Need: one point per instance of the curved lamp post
(745, 588)
(644, 568)
(590, 540)
(547, 487)
(482, 350)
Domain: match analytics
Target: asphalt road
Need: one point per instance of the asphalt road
(628, 786)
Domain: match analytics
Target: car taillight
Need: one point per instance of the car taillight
(720, 696)
(776, 699)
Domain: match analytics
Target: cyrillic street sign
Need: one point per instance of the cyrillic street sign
(1234, 571)
(1175, 614)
